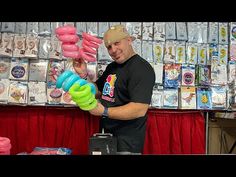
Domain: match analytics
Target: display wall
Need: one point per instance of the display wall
(194, 62)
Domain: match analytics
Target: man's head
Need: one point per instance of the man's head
(118, 43)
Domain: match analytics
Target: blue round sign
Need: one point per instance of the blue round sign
(18, 71)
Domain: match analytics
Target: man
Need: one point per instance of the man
(125, 90)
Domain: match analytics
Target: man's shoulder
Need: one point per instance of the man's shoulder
(111, 65)
(140, 61)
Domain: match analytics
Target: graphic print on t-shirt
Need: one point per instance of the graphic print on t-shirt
(109, 87)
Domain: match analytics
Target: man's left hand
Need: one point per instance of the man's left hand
(98, 110)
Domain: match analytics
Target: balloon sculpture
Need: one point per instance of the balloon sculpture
(68, 36)
(82, 92)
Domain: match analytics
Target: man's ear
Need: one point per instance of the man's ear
(129, 40)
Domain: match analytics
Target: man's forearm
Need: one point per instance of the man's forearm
(127, 112)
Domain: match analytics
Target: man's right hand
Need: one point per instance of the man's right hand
(80, 67)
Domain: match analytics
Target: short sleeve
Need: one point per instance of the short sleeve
(140, 85)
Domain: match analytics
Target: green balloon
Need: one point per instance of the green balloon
(77, 91)
(86, 103)
(73, 89)
(82, 96)
(85, 89)
(88, 98)
(90, 106)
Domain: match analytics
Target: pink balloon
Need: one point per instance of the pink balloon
(90, 43)
(5, 148)
(88, 49)
(71, 54)
(4, 141)
(87, 56)
(67, 29)
(70, 47)
(5, 153)
(89, 37)
(68, 38)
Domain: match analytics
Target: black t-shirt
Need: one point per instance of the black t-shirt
(120, 84)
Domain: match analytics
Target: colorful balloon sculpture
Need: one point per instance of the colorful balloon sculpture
(82, 92)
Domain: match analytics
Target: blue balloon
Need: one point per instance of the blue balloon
(93, 88)
(81, 82)
(70, 81)
(63, 77)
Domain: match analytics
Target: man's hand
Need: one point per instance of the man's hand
(80, 67)
(98, 110)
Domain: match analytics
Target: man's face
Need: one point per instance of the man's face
(120, 51)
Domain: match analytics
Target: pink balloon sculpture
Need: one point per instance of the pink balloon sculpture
(67, 35)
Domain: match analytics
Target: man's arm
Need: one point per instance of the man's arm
(126, 112)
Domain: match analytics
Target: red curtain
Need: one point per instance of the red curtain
(175, 132)
(28, 127)
(167, 132)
